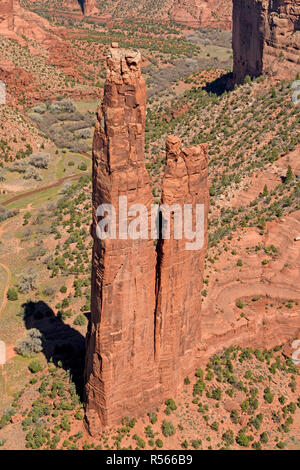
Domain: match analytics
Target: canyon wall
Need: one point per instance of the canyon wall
(90, 7)
(266, 38)
(202, 13)
(16, 22)
(192, 13)
(145, 312)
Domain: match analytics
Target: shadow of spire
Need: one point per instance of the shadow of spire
(61, 343)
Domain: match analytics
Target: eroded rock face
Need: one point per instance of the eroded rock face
(130, 340)
(90, 7)
(120, 362)
(16, 22)
(202, 13)
(178, 318)
(266, 38)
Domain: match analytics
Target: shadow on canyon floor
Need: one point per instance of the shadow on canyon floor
(220, 85)
(61, 343)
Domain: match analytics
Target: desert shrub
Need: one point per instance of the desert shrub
(196, 443)
(149, 431)
(228, 437)
(83, 133)
(6, 417)
(31, 344)
(82, 166)
(18, 167)
(289, 175)
(63, 106)
(32, 174)
(49, 291)
(198, 387)
(292, 407)
(199, 373)
(78, 415)
(27, 282)
(234, 416)
(65, 424)
(187, 381)
(171, 404)
(80, 320)
(215, 426)
(264, 437)
(268, 396)
(216, 393)
(168, 428)
(40, 108)
(256, 445)
(12, 294)
(139, 441)
(35, 366)
(39, 160)
(242, 439)
(152, 417)
(159, 443)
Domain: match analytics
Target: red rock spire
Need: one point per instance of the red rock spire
(145, 309)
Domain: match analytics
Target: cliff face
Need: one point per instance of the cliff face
(202, 13)
(90, 7)
(15, 22)
(193, 13)
(178, 319)
(133, 329)
(266, 38)
(120, 366)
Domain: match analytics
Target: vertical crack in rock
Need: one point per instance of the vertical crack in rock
(266, 38)
(145, 310)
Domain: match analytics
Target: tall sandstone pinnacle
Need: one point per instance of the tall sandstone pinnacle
(145, 319)
(266, 38)
(177, 319)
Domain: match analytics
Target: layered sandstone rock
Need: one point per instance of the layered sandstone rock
(16, 22)
(202, 13)
(90, 7)
(178, 319)
(266, 38)
(192, 13)
(143, 315)
(120, 362)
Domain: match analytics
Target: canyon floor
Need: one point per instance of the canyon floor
(246, 392)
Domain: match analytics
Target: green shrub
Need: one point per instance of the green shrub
(242, 439)
(12, 294)
(35, 366)
(80, 320)
(168, 428)
(228, 437)
(159, 443)
(264, 437)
